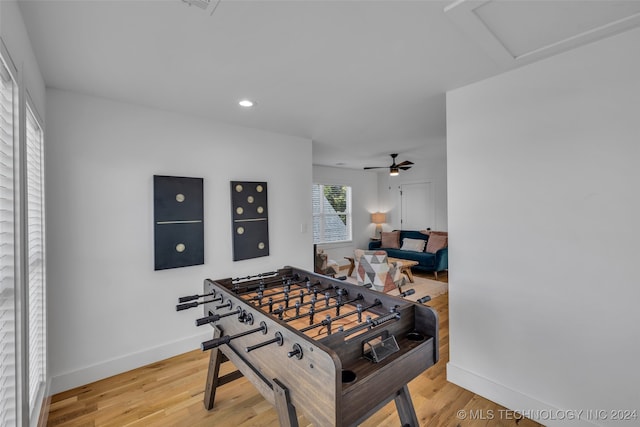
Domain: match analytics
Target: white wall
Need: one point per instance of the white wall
(543, 218)
(14, 36)
(364, 195)
(109, 310)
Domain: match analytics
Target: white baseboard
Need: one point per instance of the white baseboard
(516, 401)
(89, 374)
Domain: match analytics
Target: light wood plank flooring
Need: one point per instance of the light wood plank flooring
(170, 393)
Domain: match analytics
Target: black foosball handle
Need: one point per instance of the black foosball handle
(424, 299)
(181, 307)
(192, 297)
(188, 298)
(216, 342)
(408, 292)
(208, 319)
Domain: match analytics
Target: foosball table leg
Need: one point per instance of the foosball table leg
(215, 359)
(405, 408)
(286, 411)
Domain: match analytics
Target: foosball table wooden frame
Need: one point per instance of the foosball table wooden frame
(337, 363)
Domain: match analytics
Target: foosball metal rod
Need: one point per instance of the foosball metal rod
(278, 339)
(327, 297)
(260, 275)
(248, 287)
(270, 301)
(185, 306)
(319, 310)
(216, 342)
(289, 284)
(263, 285)
(336, 306)
(192, 297)
(342, 316)
(370, 323)
(215, 317)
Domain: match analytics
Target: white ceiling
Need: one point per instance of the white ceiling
(362, 79)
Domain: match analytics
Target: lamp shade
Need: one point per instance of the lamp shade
(378, 218)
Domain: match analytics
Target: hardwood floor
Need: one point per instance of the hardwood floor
(170, 393)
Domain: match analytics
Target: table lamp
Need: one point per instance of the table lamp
(378, 218)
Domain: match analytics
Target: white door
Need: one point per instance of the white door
(417, 210)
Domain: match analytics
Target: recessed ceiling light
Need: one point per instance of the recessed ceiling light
(246, 103)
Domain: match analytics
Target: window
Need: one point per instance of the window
(23, 362)
(331, 213)
(35, 258)
(8, 343)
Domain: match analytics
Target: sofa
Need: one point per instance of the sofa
(413, 249)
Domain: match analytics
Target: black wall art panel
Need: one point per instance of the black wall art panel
(178, 221)
(250, 219)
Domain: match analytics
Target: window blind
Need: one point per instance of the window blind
(331, 213)
(8, 124)
(35, 258)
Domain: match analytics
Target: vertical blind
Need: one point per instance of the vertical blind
(8, 124)
(35, 259)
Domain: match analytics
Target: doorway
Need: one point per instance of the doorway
(417, 206)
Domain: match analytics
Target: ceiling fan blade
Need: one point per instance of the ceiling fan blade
(404, 168)
(375, 167)
(405, 163)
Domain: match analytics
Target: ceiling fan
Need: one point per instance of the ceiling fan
(394, 169)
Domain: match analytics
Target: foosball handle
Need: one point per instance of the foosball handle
(296, 351)
(424, 299)
(216, 342)
(188, 298)
(208, 319)
(181, 307)
(408, 292)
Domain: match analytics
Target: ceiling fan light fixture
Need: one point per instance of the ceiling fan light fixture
(246, 103)
(394, 169)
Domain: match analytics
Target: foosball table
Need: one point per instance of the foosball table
(335, 351)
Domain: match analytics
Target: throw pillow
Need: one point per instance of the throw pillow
(412, 244)
(435, 243)
(390, 239)
(432, 232)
